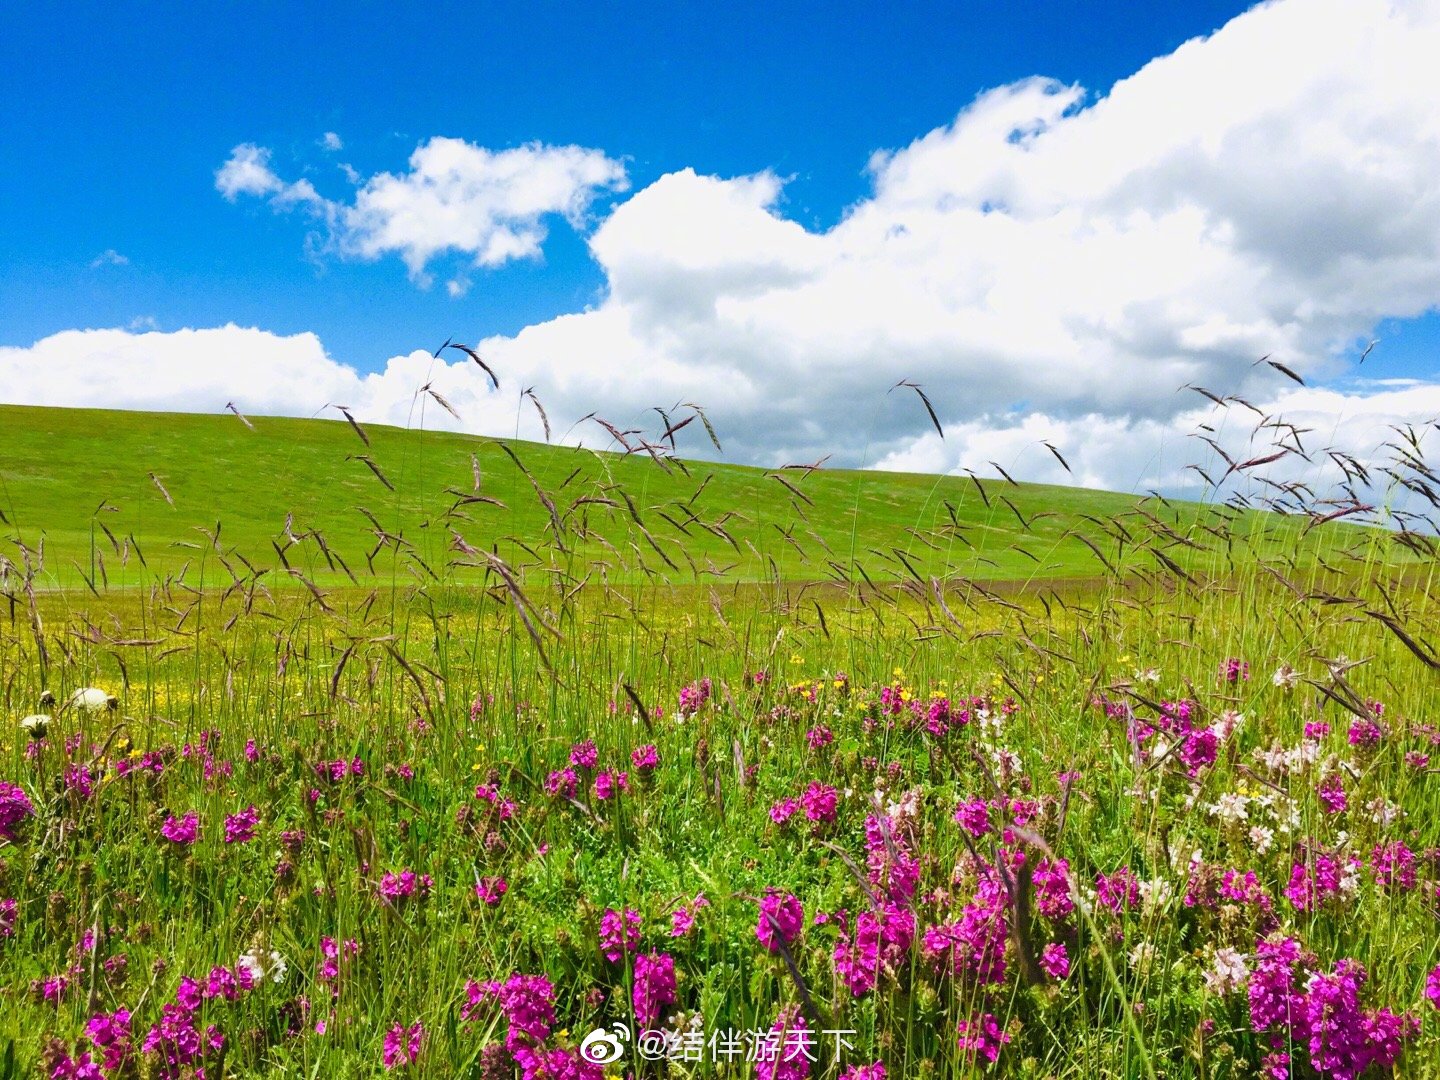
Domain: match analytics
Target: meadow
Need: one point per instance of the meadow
(442, 756)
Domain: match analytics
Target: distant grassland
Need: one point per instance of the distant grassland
(121, 499)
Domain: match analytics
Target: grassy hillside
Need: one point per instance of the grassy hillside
(123, 498)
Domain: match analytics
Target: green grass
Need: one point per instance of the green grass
(84, 483)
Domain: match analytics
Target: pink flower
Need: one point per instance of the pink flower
(15, 810)
(181, 831)
(781, 918)
(240, 828)
(682, 919)
(784, 810)
(865, 1072)
(820, 802)
(1432, 987)
(973, 816)
(645, 758)
(608, 784)
(654, 986)
(528, 1002)
(584, 755)
(402, 1045)
(491, 889)
(563, 784)
(785, 1054)
(1054, 961)
(1332, 793)
(983, 1035)
(619, 934)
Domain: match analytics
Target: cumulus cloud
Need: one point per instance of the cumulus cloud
(1050, 266)
(490, 205)
(1046, 255)
(199, 370)
(331, 141)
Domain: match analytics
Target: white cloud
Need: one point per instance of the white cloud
(109, 257)
(199, 370)
(1048, 266)
(456, 197)
(248, 172)
(331, 141)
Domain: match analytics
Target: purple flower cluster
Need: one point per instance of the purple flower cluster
(781, 918)
(654, 986)
(15, 809)
(619, 934)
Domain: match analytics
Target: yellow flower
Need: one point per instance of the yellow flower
(898, 673)
(796, 658)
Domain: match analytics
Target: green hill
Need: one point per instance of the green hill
(120, 499)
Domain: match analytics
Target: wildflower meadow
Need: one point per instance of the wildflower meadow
(564, 797)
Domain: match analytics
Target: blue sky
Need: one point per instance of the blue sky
(127, 119)
(116, 125)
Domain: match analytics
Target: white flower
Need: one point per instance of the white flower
(1148, 675)
(1141, 955)
(35, 725)
(1156, 893)
(1229, 723)
(1285, 677)
(1227, 973)
(1261, 838)
(1384, 812)
(1230, 808)
(259, 965)
(1350, 880)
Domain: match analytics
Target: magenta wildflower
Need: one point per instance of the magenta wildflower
(584, 755)
(15, 810)
(781, 918)
(1052, 889)
(973, 816)
(563, 783)
(654, 986)
(403, 885)
(645, 758)
(110, 1034)
(9, 915)
(1119, 890)
(609, 784)
(1432, 987)
(820, 802)
(819, 737)
(1232, 670)
(1332, 793)
(682, 919)
(879, 946)
(619, 934)
(892, 868)
(1366, 734)
(1394, 866)
(402, 1045)
(528, 1002)
(693, 697)
(785, 1054)
(984, 1036)
(240, 828)
(784, 810)
(1055, 961)
(491, 889)
(865, 1072)
(181, 831)
(79, 781)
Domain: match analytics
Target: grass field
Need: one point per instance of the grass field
(813, 783)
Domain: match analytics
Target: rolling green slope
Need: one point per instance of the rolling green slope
(125, 498)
